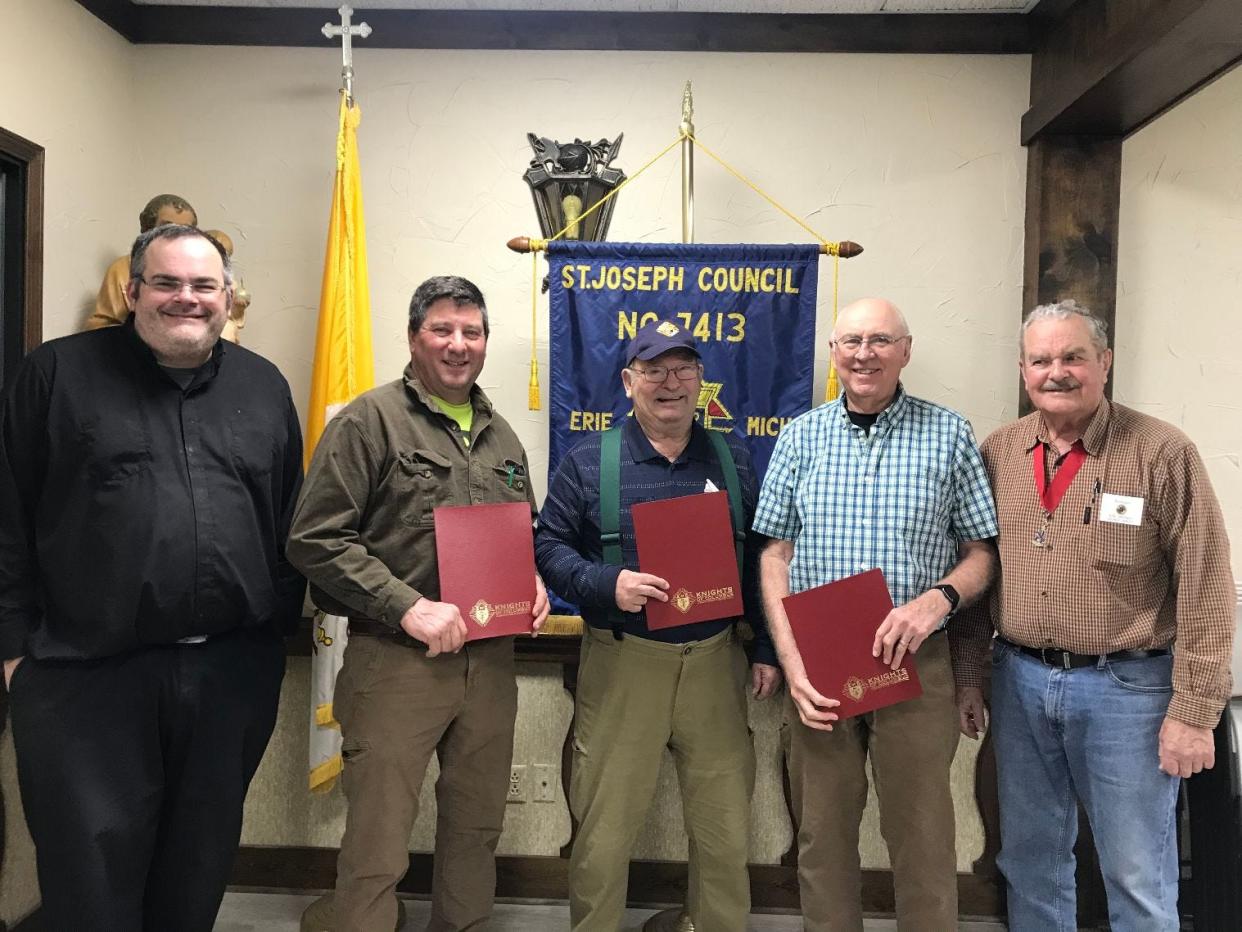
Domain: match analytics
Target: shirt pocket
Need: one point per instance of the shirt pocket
(507, 481)
(425, 480)
(918, 504)
(255, 444)
(115, 454)
(1122, 545)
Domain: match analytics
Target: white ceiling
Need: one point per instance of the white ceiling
(643, 6)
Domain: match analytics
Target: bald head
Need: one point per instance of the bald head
(871, 315)
(870, 347)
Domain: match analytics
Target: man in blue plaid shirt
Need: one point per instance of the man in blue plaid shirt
(877, 478)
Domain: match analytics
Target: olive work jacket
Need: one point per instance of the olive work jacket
(363, 532)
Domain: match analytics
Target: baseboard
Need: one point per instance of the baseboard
(534, 877)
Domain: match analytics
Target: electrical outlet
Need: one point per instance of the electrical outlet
(517, 784)
(543, 783)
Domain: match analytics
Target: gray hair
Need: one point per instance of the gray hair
(1067, 309)
(173, 231)
(460, 290)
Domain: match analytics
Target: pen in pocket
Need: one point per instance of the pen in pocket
(1095, 493)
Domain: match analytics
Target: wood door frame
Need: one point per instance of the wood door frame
(31, 155)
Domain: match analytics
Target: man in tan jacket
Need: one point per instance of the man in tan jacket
(410, 686)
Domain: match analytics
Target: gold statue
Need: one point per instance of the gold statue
(241, 297)
(111, 309)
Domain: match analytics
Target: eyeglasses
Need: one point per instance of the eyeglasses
(163, 285)
(879, 343)
(687, 372)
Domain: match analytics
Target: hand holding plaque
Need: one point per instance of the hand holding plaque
(486, 556)
(834, 627)
(688, 542)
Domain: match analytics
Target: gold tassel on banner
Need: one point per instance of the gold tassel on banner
(532, 401)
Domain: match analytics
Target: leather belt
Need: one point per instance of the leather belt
(377, 629)
(1066, 660)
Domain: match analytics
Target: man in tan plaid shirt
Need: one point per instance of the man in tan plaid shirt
(1114, 616)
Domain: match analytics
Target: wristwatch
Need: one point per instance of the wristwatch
(952, 595)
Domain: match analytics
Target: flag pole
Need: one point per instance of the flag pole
(343, 369)
(346, 32)
(686, 129)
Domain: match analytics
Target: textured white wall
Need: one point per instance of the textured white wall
(68, 86)
(1179, 289)
(916, 157)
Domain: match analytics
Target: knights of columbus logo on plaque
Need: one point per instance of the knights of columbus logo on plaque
(855, 688)
(482, 612)
(682, 601)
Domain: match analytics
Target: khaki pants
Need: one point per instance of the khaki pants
(396, 707)
(636, 697)
(911, 746)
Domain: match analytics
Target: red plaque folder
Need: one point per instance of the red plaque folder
(689, 542)
(834, 627)
(486, 555)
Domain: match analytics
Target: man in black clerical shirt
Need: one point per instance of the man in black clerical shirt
(147, 477)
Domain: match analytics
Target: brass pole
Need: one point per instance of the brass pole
(846, 249)
(687, 166)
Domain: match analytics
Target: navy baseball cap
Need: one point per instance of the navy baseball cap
(659, 337)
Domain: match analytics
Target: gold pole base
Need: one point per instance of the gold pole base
(671, 920)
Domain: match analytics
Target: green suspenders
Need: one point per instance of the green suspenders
(610, 494)
(729, 469)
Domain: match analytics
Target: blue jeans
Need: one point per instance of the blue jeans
(1090, 735)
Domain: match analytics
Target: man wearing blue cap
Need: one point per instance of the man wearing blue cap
(641, 690)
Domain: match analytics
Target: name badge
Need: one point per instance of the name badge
(1121, 509)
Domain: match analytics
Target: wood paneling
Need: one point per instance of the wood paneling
(1073, 194)
(1107, 67)
(531, 877)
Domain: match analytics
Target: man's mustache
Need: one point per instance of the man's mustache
(1064, 385)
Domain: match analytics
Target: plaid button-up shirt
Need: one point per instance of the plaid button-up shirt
(1098, 586)
(902, 498)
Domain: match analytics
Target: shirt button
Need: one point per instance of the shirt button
(1044, 594)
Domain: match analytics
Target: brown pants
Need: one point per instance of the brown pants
(911, 746)
(635, 698)
(396, 707)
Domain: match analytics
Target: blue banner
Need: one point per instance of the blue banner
(750, 308)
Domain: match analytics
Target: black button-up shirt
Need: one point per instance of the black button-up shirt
(134, 511)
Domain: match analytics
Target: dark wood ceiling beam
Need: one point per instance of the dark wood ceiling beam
(584, 31)
(1107, 67)
(121, 15)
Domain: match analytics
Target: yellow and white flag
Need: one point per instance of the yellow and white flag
(343, 370)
